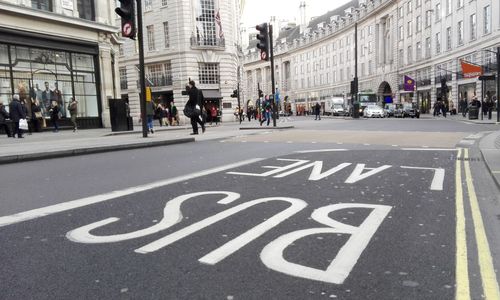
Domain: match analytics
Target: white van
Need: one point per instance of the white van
(335, 106)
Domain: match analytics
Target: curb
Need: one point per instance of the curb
(89, 150)
(267, 128)
(496, 178)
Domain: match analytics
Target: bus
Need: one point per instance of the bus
(366, 99)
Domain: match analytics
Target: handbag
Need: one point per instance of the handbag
(38, 114)
(191, 112)
(23, 124)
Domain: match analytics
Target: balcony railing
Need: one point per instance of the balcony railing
(207, 42)
(424, 82)
(437, 79)
(164, 80)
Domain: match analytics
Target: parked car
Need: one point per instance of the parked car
(389, 110)
(399, 111)
(338, 110)
(411, 111)
(372, 111)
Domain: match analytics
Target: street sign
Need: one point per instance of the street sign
(487, 77)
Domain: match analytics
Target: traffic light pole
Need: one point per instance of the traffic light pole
(142, 74)
(239, 105)
(273, 84)
(498, 84)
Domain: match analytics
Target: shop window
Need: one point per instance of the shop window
(209, 73)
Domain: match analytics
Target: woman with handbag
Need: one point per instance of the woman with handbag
(16, 115)
(36, 115)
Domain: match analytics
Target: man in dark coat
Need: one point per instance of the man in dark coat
(317, 110)
(194, 99)
(16, 113)
(3, 122)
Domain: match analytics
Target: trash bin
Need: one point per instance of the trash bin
(118, 115)
(473, 112)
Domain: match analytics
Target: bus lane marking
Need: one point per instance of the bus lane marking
(438, 179)
(57, 208)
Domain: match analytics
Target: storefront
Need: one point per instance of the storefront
(43, 69)
(424, 101)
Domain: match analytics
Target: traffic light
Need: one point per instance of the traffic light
(444, 89)
(354, 87)
(127, 12)
(234, 94)
(263, 44)
(261, 94)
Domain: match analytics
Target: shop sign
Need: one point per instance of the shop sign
(470, 70)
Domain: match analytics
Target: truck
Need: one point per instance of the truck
(335, 106)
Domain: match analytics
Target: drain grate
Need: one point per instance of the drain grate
(469, 159)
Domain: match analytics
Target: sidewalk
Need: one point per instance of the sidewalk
(490, 149)
(43, 145)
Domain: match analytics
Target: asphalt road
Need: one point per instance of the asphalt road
(266, 218)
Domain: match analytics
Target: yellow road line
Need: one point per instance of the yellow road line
(462, 291)
(488, 276)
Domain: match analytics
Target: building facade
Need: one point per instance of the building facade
(52, 50)
(185, 39)
(423, 39)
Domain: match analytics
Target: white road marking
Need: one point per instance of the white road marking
(429, 149)
(320, 150)
(49, 210)
(357, 173)
(316, 173)
(437, 180)
(277, 169)
(342, 264)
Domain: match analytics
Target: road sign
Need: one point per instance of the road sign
(263, 56)
(127, 29)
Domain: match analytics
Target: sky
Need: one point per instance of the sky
(259, 11)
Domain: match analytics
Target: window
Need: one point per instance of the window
(438, 43)
(401, 33)
(460, 32)
(86, 9)
(151, 37)
(401, 57)
(370, 67)
(148, 5)
(400, 12)
(438, 12)
(460, 3)
(448, 38)
(473, 27)
(418, 3)
(120, 50)
(448, 7)
(419, 23)
(205, 23)
(370, 47)
(164, 2)
(410, 55)
(123, 79)
(348, 56)
(428, 47)
(409, 29)
(209, 73)
(428, 16)
(487, 19)
(42, 4)
(154, 74)
(419, 51)
(370, 30)
(165, 34)
(409, 7)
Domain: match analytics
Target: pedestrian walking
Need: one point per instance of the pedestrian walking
(317, 110)
(174, 117)
(4, 115)
(54, 115)
(36, 115)
(16, 114)
(213, 114)
(194, 104)
(73, 111)
(160, 113)
(463, 107)
(266, 111)
(150, 112)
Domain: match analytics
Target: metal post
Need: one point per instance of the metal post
(498, 84)
(483, 87)
(142, 75)
(273, 85)
(355, 103)
(239, 105)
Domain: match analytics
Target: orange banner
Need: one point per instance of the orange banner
(471, 71)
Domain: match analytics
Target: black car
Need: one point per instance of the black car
(411, 111)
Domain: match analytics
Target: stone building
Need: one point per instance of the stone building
(197, 40)
(425, 40)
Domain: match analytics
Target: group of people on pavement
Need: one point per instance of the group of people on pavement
(26, 112)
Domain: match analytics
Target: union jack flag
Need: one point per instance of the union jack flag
(218, 21)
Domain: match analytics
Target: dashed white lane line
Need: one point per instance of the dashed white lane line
(429, 149)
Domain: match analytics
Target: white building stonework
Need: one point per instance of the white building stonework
(185, 39)
(422, 39)
(52, 50)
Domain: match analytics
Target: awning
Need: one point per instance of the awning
(211, 94)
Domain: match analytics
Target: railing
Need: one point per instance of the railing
(208, 42)
(424, 82)
(164, 80)
(437, 79)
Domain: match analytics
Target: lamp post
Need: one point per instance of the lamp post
(498, 84)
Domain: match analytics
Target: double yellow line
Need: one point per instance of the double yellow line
(488, 276)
